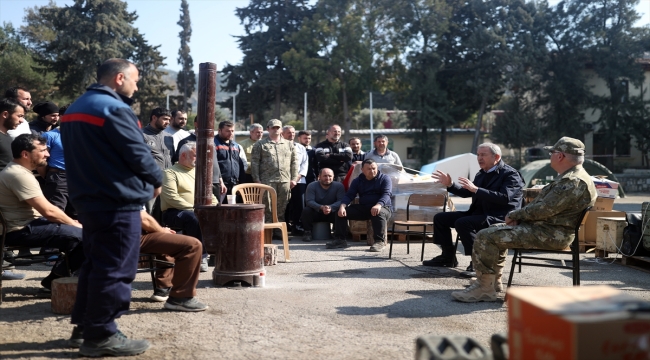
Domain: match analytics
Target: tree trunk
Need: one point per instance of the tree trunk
(346, 118)
(443, 142)
(278, 102)
(479, 122)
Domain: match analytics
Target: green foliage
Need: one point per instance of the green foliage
(151, 88)
(361, 120)
(516, 126)
(72, 41)
(186, 79)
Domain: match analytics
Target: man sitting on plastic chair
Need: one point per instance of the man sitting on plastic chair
(548, 222)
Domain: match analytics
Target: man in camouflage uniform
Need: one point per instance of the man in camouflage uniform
(546, 223)
(256, 132)
(274, 162)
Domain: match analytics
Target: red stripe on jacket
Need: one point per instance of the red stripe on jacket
(90, 119)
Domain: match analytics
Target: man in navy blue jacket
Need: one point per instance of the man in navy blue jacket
(111, 174)
(374, 190)
(497, 189)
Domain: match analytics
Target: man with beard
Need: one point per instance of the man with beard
(48, 118)
(357, 153)
(231, 160)
(334, 154)
(32, 221)
(323, 199)
(12, 114)
(21, 96)
(381, 154)
(295, 206)
(160, 142)
(177, 129)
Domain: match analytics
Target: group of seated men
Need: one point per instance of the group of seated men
(35, 220)
(494, 222)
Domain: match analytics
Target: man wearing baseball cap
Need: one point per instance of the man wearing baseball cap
(546, 223)
(274, 162)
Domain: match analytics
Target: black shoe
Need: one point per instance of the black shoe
(337, 244)
(160, 294)
(277, 234)
(77, 337)
(469, 272)
(47, 282)
(441, 261)
(306, 236)
(115, 345)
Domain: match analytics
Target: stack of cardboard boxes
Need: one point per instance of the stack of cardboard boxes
(607, 192)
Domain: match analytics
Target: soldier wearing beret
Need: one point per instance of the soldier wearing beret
(274, 162)
(546, 223)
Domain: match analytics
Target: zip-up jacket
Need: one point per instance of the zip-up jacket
(335, 156)
(109, 166)
(162, 145)
(231, 164)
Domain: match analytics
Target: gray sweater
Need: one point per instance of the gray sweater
(315, 196)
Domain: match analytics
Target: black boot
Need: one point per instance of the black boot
(446, 259)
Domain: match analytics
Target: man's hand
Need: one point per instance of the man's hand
(157, 192)
(76, 224)
(292, 184)
(511, 222)
(325, 209)
(374, 211)
(223, 189)
(443, 178)
(166, 229)
(342, 212)
(466, 184)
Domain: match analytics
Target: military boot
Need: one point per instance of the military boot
(498, 285)
(481, 290)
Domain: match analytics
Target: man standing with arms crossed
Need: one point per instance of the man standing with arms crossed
(111, 174)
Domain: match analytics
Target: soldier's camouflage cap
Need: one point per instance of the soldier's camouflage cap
(568, 145)
(274, 123)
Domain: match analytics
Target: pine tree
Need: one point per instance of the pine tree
(186, 79)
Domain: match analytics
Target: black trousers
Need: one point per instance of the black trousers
(466, 226)
(362, 212)
(311, 216)
(55, 190)
(296, 204)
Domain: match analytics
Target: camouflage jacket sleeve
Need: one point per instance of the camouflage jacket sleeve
(554, 199)
(294, 162)
(256, 156)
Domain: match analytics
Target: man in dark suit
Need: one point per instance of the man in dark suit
(497, 189)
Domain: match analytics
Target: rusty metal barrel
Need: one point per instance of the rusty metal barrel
(235, 234)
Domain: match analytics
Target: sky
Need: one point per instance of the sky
(214, 24)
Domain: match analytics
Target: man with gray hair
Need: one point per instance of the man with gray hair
(496, 190)
(177, 196)
(256, 131)
(546, 223)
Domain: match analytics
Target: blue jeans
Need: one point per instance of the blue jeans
(112, 244)
(45, 234)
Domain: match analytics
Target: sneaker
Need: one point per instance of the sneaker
(6, 265)
(306, 237)
(77, 337)
(336, 244)
(204, 264)
(160, 295)
(377, 247)
(115, 345)
(9, 275)
(185, 304)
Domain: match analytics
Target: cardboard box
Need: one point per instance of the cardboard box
(603, 204)
(605, 188)
(588, 230)
(609, 233)
(587, 322)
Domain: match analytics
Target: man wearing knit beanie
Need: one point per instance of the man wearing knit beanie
(48, 118)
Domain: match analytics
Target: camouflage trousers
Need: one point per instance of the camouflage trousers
(492, 244)
(283, 192)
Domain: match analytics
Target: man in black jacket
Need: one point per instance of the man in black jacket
(497, 189)
(334, 154)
